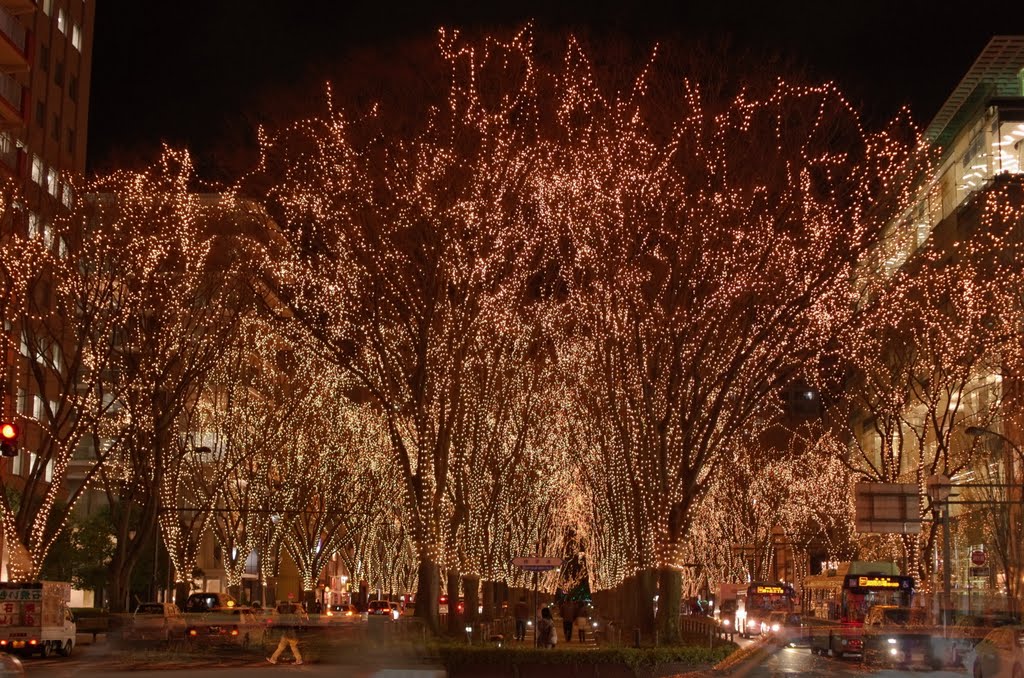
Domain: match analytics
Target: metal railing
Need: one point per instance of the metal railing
(13, 30)
(11, 91)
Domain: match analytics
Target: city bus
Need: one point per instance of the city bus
(761, 600)
(841, 600)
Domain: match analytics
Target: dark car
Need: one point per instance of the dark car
(208, 602)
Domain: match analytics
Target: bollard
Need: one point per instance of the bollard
(636, 637)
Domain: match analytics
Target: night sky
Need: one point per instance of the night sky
(186, 74)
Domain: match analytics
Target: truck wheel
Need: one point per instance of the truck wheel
(44, 649)
(66, 650)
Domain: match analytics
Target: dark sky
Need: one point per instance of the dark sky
(184, 73)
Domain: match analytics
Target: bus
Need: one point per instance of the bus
(841, 600)
(762, 599)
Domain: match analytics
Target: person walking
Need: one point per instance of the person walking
(290, 617)
(582, 620)
(568, 611)
(546, 635)
(522, 613)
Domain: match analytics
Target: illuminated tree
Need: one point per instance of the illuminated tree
(711, 248)
(405, 243)
(187, 285)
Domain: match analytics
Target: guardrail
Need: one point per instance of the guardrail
(704, 627)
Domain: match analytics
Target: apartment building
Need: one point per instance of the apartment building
(45, 60)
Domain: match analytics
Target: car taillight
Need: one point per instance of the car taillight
(191, 632)
(32, 642)
(349, 613)
(234, 632)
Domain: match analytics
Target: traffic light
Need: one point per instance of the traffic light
(8, 439)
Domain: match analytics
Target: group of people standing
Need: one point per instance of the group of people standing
(574, 614)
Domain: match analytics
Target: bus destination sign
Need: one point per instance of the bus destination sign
(878, 581)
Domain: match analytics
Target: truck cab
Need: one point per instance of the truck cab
(35, 618)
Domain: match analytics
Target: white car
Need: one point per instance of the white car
(1000, 653)
(156, 621)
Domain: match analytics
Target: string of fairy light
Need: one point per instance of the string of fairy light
(551, 307)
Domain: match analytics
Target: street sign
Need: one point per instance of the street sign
(980, 572)
(888, 508)
(979, 558)
(537, 563)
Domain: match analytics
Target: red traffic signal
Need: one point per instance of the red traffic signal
(8, 439)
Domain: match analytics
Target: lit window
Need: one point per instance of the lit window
(38, 408)
(22, 401)
(23, 345)
(48, 236)
(51, 182)
(58, 356)
(62, 248)
(16, 465)
(37, 169)
(33, 224)
(76, 37)
(47, 7)
(48, 474)
(65, 195)
(62, 21)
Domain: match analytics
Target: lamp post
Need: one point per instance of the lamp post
(1013, 493)
(939, 491)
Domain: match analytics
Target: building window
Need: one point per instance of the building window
(57, 354)
(47, 7)
(55, 128)
(48, 473)
(33, 224)
(37, 169)
(58, 73)
(65, 195)
(73, 88)
(38, 408)
(40, 113)
(62, 21)
(44, 58)
(22, 401)
(16, 464)
(23, 348)
(76, 37)
(62, 248)
(70, 136)
(48, 236)
(51, 182)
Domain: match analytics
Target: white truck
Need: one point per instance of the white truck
(34, 618)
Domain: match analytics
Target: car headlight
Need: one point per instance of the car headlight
(751, 624)
(775, 627)
(725, 622)
(893, 651)
(891, 641)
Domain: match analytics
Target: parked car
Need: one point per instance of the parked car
(343, 614)
(1000, 653)
(968, 632)
(379, 608)
(228, 626)
(162, 622)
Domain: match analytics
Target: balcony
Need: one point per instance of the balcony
(10, 102)
(19, 6)
(12, 43)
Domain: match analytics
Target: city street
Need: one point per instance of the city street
(789, 661)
